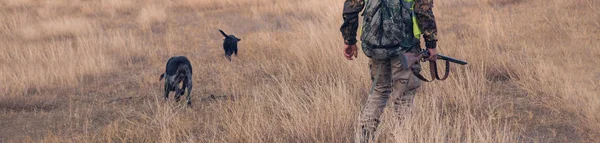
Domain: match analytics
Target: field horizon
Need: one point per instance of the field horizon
(88, 71)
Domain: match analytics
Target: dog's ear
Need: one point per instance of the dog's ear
(236, 38)
(224, 34)
(162, 76)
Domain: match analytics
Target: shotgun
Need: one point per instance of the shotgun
(433, 66)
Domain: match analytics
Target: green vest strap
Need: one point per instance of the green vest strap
(416, 29)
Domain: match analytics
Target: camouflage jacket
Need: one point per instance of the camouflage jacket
(423, 13)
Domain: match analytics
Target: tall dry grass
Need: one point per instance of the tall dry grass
(86, 71)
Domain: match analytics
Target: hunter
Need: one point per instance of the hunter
(390, 37)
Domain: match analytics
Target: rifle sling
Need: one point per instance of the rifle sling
(433, 71)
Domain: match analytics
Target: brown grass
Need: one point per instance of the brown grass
(87, 71)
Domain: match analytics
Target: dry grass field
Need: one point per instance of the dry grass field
(88, 70)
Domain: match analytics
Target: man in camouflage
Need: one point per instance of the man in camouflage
(390, 38)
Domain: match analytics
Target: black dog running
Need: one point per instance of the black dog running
(230, 44)
(178, 70)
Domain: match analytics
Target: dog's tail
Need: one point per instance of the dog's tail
(224, 34)
(162, 76)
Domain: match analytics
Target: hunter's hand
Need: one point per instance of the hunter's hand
(350, 51)
(432, 54)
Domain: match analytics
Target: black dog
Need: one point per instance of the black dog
(178, 70)
(230, 45)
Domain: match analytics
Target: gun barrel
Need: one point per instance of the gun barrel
(450, 59)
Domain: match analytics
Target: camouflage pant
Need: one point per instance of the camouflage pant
(393, 80)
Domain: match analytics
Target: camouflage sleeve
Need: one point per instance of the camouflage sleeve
(426, 20)
(351, 10)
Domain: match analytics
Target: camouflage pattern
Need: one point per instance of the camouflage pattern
(350, 25)
(394, 81)
(387, 24)
(426, 19)
(380, 53)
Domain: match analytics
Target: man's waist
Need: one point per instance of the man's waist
(393, 47)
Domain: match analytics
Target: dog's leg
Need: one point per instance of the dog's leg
(167, 90)
(182, 91)
(178, 92)
(189, 91)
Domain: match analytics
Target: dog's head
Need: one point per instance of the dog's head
(171, 79)
(230, 38)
